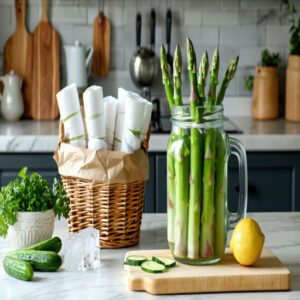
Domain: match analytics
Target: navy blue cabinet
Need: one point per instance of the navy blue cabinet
(274, 179)
(273, 185)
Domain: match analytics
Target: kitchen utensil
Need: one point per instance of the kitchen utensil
(101, 43)
(12, 106)
(18, 54)
(143, 63)
(78, 60)
(168, 38)
(226, 276)
(45, 70)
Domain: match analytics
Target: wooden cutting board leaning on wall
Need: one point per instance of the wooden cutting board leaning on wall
(101, 44)
(17, 54)
(46, 69)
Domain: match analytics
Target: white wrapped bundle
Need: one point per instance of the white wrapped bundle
(133, 123)
(122, 94)
(70, 113)
(110, 113)
(147, 119)
(94, 117)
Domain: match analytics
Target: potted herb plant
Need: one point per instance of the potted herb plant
(28, 206)
(292, 94)
(265, 104)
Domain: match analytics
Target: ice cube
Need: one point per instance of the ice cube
(81, 250)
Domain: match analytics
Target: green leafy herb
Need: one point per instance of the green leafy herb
(30, 193)
(291, 11)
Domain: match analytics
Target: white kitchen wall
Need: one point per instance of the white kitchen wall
(238, 27)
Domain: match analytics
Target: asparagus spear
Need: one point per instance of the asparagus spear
(229, 74)
(221, 167)
(177, 67)
(213, 76)
(166, 76)
(170, 150)
(208, 209)
(181, 163)
(202, 74)
(196, 159)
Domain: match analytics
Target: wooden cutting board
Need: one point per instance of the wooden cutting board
(101, 44)
(17, 54)
(46, 69)
(225, 276)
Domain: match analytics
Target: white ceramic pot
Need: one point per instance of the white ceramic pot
(31, 228)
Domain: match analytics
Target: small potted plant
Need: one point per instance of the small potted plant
(292, 94)
(265, 104)
(28, 206)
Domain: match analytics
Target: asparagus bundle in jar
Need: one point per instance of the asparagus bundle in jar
(197, 157)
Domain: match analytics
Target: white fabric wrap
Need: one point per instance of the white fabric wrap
(133, 121)
(110, 113)
(146, 119)
(70, 113)
(94, 117)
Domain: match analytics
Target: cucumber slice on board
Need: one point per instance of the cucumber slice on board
(167, 262)
(152, 267)
(134, 260)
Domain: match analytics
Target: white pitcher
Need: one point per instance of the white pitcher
(78, 59)
(12, 106)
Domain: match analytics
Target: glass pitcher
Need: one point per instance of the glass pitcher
(197, 157)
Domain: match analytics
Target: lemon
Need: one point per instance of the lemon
(247, 242)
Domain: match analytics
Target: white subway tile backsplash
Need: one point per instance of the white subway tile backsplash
(6, 14)
(220, 18)
(278, 35)
(238, 27)
(260, 4)
(69, 14)
(243, 36)
(192, 17)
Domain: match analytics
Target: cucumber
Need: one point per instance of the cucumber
(40, 260)
(152, 267)
(167, 262)
(18, 268)
(54, 244)
(134, 260)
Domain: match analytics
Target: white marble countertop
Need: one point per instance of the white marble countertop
(282, 231)
(34, 136)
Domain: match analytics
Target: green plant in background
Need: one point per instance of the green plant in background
(269, 59)
(30, 193)
(291, 11)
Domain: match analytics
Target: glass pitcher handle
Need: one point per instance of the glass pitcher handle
(237, 149)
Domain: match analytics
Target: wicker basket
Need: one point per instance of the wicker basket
(113, 208)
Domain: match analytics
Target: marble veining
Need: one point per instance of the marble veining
(39, 136)
(282, 231)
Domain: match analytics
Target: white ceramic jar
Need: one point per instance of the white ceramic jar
(31, 228)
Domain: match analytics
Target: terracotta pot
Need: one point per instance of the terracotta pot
(265, 104)
(292, 91)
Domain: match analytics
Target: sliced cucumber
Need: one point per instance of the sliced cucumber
(134, 260)
(167, 262)
(152, 267)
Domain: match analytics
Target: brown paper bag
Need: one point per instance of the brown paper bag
(102, 165)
